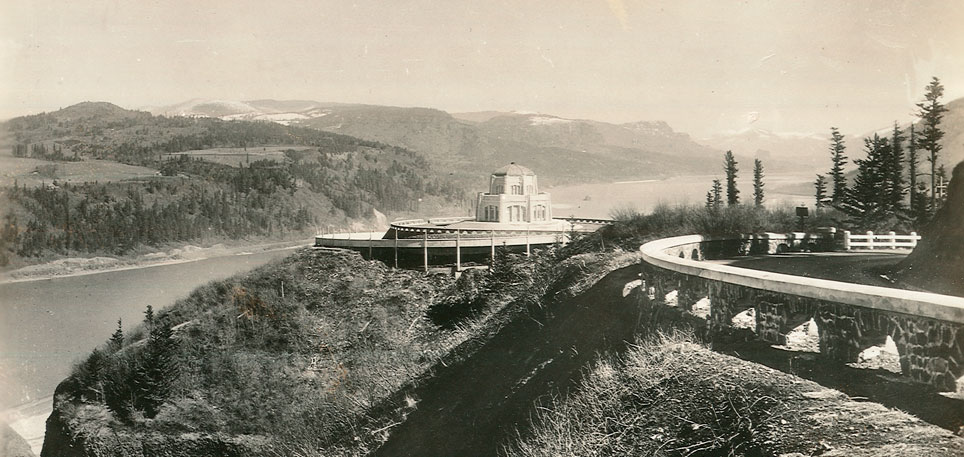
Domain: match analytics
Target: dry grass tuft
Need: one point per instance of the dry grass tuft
(670, 396)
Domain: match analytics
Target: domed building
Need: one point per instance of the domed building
(512, 216)
(513, 197)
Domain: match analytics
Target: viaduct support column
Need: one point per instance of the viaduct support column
(492, 257)
(458, 250)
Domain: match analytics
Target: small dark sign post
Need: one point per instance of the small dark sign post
(803, 213)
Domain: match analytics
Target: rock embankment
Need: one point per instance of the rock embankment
(937, 264)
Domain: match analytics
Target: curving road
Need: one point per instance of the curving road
(853, 267)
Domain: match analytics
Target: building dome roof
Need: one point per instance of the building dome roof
(513, 170)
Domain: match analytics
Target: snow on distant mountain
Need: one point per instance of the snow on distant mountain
(280, 111)
(805, 149)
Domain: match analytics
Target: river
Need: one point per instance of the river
(598, 200)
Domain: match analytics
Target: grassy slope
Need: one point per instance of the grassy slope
(303, 369)
(344, 334)
(669, 396)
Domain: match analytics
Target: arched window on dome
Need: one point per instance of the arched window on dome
(516, 213)
(517, 189)
(539, 213)
(492, 213)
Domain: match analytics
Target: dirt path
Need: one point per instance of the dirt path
(473, 407)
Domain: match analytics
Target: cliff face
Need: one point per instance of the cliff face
(937, 264)
(89, 435)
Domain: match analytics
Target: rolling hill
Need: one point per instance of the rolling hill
(561, 150)
(311, 178)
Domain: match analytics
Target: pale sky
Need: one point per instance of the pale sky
(702, 66)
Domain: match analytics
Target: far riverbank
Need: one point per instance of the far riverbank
(79, 266)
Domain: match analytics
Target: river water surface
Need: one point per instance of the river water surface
(46, 325)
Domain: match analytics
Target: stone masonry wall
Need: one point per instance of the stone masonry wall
(931, 351)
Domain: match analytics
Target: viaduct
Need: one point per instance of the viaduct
(927, 328)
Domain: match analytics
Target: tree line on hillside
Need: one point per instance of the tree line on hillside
(888, 190)
(40, 151)
(93, 218)
(139, 138)
(215, 200)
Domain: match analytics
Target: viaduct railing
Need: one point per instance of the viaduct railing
(927, 328)
(439, 226)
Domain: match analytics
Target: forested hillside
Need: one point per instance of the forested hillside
(322, 179)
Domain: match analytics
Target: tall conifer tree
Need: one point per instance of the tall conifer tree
(820, 190)
(912, 163)
(931, 111)
(729, 167)
(757, 182)
(838, 158)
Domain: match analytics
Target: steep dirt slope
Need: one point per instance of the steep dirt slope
(937, 263)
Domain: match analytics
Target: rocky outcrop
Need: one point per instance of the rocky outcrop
(88, 436)
(937, 264)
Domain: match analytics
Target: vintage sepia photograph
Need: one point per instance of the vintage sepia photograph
(534, 228)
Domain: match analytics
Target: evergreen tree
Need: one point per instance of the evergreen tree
(157, 370)
(729, 167)
(757, 182)
(867, 199)
(117, 339)
(709, 199)
(894, 171)
(931, 111)
(942, 182)
(820, 187)
(839, 159)
(149, 318)
(921, 206)
(717, 193)
(912, 163)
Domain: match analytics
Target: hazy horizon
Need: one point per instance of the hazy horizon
(703, 67)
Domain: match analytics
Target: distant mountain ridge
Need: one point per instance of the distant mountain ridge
(280, 111)
(812, 150)
(797, 149)
(560, 149)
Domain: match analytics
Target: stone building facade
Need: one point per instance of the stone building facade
(513, 197)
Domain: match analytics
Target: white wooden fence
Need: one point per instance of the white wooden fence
(871, 240)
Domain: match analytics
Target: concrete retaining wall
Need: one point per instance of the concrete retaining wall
(927, 328)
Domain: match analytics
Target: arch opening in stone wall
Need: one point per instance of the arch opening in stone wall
(803, 337)
(884, 356)
(745, 319)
